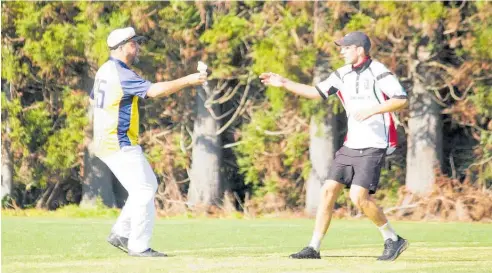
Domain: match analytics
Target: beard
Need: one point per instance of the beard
(133, 58)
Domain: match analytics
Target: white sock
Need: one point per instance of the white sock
(388, 232)
(316, 240)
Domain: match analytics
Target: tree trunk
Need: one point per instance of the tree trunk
(322, 143)
(41, 204)
(424, 147)
(205, 184)
(7, 161)
(205, 178)
(97, 181)
(52, 202)
(7, 168)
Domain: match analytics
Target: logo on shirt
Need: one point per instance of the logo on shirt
(366, 84)
(360, 97)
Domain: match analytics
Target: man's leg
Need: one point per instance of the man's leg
(122, 225)
(363, 201)
(143, 208)
(121, 229)
(329, 194)
(135, 174)
(367, 170)
(394, 245)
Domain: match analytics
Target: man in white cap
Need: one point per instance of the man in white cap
(369, 92)
(115, 96)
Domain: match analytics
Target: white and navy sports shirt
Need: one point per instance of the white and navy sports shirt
(116, 91)
(360, 88)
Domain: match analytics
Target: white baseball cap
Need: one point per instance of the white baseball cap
(120, 36)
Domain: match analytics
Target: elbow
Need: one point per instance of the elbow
(150, 94)
(404, 103)
(153, 91)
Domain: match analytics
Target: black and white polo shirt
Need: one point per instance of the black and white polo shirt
(360, 88)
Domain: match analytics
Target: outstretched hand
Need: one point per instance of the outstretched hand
(197, 78)
(273, 79)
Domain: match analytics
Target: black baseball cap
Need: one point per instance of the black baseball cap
(356, 38)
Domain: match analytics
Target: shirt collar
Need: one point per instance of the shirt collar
(120, 62)
(362, 66)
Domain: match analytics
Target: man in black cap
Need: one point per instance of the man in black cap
(369, 93)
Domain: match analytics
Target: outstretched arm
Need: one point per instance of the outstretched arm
(162, 89)
(300, 89)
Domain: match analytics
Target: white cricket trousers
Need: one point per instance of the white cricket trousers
(137, 217)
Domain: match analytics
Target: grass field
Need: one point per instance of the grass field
(51, 244)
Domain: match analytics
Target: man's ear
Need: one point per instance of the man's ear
(360, 51)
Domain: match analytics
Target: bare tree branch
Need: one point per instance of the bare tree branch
(438, 100)
(393, 39)
(232, 144)
(438, 95)
(453, 167)
(451, 71)
(481, 162)
(229, 94)
(238, 110)
(181, 141)
(214, 116)
(456, 97)
(275, 133)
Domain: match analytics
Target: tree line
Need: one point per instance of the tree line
(235, 139)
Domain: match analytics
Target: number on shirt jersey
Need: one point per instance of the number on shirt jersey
(99, 93)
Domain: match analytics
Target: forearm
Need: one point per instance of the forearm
(301, 89)
(390, 105)
(162, 89)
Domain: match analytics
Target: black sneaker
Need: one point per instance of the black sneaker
(118, 241)
(147, 253)
(393, 249)
(306, 253)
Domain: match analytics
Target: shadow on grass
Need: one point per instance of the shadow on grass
(347, 256)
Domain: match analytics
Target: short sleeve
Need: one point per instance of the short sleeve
(135, 85)
(329, 86)
(390, 86)
(131, 83)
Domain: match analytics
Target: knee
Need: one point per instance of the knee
(149, 184)
(360, 201)
(329, 190)
(143, 196)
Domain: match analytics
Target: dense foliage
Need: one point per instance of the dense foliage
(51, 51)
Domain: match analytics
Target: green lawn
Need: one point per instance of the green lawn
(52, 244)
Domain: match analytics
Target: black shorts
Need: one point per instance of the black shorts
(361, 167)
